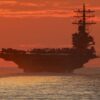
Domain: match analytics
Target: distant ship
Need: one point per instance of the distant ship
(58, 60)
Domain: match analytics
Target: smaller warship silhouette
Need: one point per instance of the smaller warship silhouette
(58, 59)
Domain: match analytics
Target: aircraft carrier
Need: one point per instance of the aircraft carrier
(58, 60)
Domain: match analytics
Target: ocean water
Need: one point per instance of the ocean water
(78, 86)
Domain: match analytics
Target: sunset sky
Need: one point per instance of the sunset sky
(42, 23)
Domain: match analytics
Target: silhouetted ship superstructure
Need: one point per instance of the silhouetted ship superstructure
(60, 59)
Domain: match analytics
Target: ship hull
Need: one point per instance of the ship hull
(47, 63)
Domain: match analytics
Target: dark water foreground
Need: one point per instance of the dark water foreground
(50, 87)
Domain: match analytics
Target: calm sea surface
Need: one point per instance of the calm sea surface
(50, 87)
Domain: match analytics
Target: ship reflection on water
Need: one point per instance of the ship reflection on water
(46, 87)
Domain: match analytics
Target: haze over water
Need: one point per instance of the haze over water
(83, 85)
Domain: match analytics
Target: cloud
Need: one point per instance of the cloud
(36, 13)
(14, 4)
(29, 4)
(24, 8)
(8, 2)
(30, 8)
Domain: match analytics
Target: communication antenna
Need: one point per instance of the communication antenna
(83, 18)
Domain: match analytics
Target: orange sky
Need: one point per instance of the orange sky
(41, 23)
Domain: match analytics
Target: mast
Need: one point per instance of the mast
(84, 18)
(81, 39)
